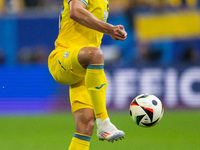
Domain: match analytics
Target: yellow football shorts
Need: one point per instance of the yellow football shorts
(65, 68)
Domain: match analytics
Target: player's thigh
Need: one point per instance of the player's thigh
(64, 67)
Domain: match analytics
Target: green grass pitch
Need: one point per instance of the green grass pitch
(178, 130)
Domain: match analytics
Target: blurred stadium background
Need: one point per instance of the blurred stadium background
(160, 56)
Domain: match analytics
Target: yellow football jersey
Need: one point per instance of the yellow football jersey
(73, 34)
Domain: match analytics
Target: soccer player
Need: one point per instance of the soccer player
(78, 61)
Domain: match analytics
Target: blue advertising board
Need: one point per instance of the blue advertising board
(32, 89)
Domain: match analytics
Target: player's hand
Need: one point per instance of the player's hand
(118, 33)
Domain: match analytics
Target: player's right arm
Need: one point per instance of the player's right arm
(80, 14)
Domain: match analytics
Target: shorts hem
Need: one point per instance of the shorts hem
(78, 105)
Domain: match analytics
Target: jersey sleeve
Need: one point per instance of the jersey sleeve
(84, 1)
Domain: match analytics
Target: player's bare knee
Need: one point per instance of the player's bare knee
(90, 55)
(96, 56)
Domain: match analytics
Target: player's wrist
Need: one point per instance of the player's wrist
(109, 29)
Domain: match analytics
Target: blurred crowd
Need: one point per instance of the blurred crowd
(21, 6)
(153, 5)
(127, 53)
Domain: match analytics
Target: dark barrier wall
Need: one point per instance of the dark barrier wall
(26, 34)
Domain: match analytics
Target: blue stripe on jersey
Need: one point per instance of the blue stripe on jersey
(82, 137)
(95, 67)
(84, 2)
(79, 0)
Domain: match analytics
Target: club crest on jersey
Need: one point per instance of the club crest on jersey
(66, 54)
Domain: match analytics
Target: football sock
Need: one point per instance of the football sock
(80, 142)
(96, 83)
